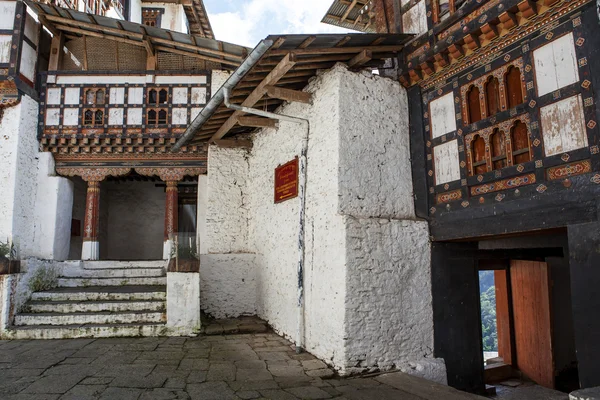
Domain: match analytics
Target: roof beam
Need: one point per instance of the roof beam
(94, 26)
(340, 50)
(274, 76)
(361, 58)
(98, 35)
(289, 94)
(256, 122)
(349, 10)
(197, 55)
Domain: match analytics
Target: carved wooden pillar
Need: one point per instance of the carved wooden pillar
(91, 246)
(171, 217)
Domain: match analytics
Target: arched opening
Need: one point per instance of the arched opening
(90, 96)
(88, 117)
(492, 96)
(100, 97)
(162, 96)
(162, 117)
(152, 120)
(474, 106)
(520, 143)
(514, 90)
(99, 118)
(498, 149)
(478, 156)
(152, 97)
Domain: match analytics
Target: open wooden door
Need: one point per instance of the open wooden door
(530, 284)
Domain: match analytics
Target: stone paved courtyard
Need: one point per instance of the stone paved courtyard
(256, 366)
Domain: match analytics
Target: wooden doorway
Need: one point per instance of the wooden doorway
(530, 286)
(523, 321)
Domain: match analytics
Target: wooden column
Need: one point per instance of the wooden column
(91, 246)
(171, 216)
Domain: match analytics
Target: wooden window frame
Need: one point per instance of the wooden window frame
(157, 18)
(505, 128)
(157, 106)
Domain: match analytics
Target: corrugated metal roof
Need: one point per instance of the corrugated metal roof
(310, 53)
(340, 15)
(78, 23)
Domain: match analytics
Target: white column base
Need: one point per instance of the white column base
(90, 251)
(183, 303)
(167, 249)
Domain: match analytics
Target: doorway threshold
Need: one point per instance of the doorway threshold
(515, 389)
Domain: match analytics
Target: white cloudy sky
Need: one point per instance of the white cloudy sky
(246, 22)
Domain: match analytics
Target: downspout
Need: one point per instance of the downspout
(301, 195)
(229, 84)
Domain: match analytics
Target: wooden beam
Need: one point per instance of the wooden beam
(340, 50)
(257, 122)
(349, 10)
(361, 58)
(278, 72)
(307, 42)
(98, 35)
(94, 26)
(56, 52)
(197, 55)
(289, 95)
(247, 144)
(48, 24)
(342, 42)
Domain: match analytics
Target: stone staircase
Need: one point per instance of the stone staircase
(98, 299)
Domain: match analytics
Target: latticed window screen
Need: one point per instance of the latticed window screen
(157, 100)
(94, 97)
(151, 16)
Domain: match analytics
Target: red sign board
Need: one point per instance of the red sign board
(286, 181)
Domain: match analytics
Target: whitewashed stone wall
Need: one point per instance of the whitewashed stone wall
(18, 173)
(53, 212)
(367, 273)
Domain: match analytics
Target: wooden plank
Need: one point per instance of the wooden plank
(361, 58)
(94, 26)
(278, 72)
(307, 42)
(196, 55)
(341, 50)
(530, 286)
(289, 94)
(228, 143)
(342, 42)
(349, 10)
(503, 325)
(98, 35)
(56, 52)
(257, 122)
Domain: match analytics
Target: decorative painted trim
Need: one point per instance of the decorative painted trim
(573, 169)
(93, 174)
(170, 174)
(447, 197)
(504, 184)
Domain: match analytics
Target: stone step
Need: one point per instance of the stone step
(128, 317)
(113, 273)
(138, 281)
(65, 307)
(86, 331)
(102, 293)
(124, 264)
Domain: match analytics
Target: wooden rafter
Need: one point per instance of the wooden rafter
(278, 72)
(360, 59)
(349, 10)
(289, 94)
(256, 122)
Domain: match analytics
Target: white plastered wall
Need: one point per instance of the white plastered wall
(367, 271)
(35, 208)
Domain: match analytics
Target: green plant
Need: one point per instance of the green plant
(7, 250)
(44, 278)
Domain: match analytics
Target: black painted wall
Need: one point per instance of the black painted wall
(584, 255)
(457, 315)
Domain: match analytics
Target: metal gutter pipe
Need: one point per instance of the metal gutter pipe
(217, 99)
(301, 195)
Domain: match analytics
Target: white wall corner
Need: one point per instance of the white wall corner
(183, 303)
